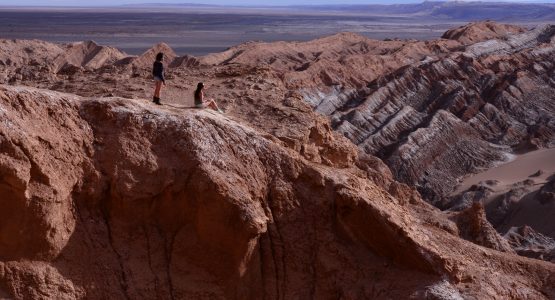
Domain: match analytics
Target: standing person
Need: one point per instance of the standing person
(158, 74)
(200, 102)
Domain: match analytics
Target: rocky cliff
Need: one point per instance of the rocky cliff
(114, 198)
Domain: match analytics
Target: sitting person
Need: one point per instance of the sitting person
(200, 102)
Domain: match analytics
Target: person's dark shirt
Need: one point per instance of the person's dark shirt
(198, 98)
(158, 70)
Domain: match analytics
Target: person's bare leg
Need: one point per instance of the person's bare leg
(157, 89)
(213, 105)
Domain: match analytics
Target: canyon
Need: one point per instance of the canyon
(334, 172)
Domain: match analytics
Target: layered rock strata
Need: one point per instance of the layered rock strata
(441, 119)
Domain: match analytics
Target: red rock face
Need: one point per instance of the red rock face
(36, 219)
(124, 200)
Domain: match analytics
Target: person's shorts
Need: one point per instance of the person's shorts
(156, 78)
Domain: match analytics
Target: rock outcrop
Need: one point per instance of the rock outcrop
(33, 60)
(88, 55)
(480, 31)
(527, 242)
(146, 59)
(114, 198)
(474, 226)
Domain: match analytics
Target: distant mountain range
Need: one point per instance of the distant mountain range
(448, 10)
(458, 10)
(368, 3)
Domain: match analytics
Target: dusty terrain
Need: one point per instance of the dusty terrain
(294, 192)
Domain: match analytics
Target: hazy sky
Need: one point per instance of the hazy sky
(218, 2)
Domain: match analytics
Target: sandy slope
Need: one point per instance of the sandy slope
(518, 169)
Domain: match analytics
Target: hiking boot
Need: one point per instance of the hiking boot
(157, 101)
